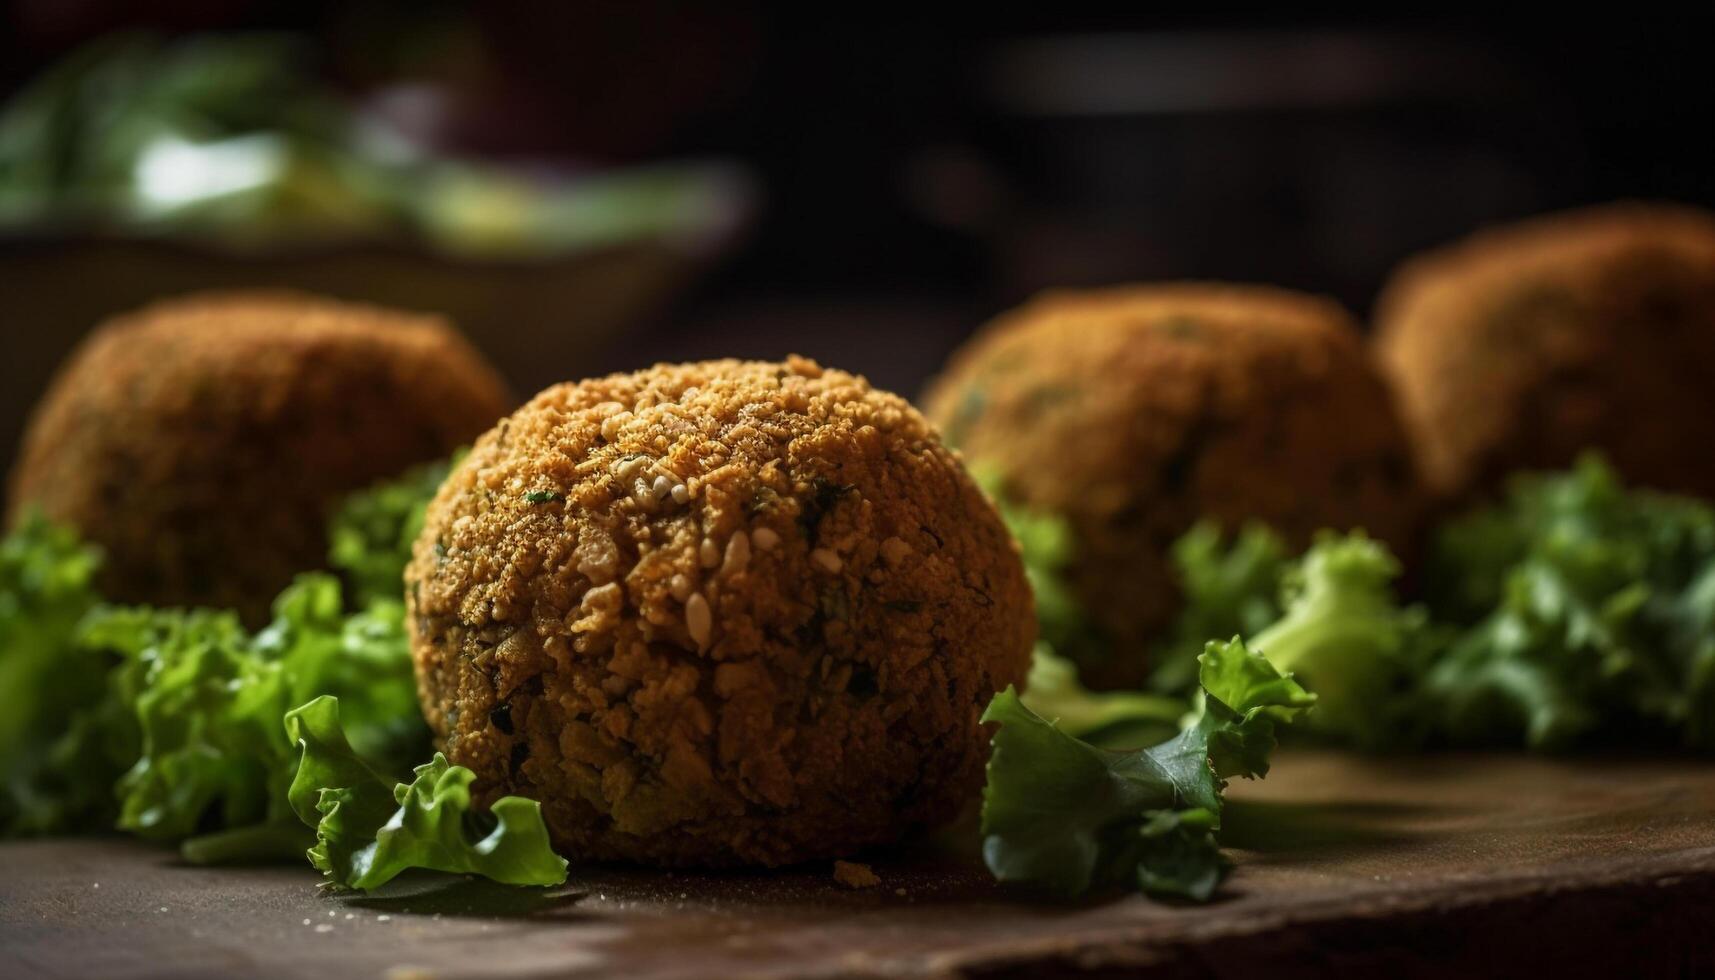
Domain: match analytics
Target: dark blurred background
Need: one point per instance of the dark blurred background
(866, 192)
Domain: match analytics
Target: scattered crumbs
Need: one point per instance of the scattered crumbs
(96, 885)
(350, 915)
(325, 927)
(306, 922)
(384, 918)
(163, 908)
(332, 913)
(854, 875)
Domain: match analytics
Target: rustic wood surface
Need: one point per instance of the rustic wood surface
(1445, 865)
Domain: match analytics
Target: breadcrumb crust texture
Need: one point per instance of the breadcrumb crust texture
(718, 613)
(202, 441)
(1524, 345)
(1136, 411)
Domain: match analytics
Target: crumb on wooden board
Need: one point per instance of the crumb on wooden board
(854, 875)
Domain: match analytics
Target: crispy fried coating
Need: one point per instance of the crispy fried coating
(1528, 344)
(202, 441)
(717, 614)
(1135, 411)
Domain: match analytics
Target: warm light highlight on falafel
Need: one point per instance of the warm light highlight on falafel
(1135, 411)
(718, 613)
(1523, 346)
(202, 441)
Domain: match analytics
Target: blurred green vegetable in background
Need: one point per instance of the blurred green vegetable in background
(370, 536)
(1344, 635)
(1113, 719)
(47, 678)
(230, 139)
(1588, 615)
(1053, 691)
(1229, 586)
(221, 135)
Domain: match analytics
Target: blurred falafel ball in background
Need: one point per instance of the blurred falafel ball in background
(1134, 412)
(1525, 345)
(717, 614)
(202, 441)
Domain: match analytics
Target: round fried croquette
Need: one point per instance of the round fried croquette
(717, 614)
(201, 442)
(1133, 412)
(1523, 346)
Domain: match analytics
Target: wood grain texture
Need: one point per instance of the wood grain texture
(1466, 865)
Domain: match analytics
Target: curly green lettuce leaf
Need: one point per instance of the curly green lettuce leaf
(214, 765)
(166, 722)
(47, 579)
(203, 748)
(1230, 585)
(1591, 612)
(1347, 638)
(55, 762)
(1068, 816)
(71, 790)
(370, 536)
(368, 831)
(1113, 719)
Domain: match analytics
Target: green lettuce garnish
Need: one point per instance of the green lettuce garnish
(1069, 816)
(1590, 613)
(166, 722)
(370, 536)
(1118, 718)
(1115, 719)
(369, 830)
(54, 764)
(208, 699)
(1229, 585)
(1347, 638)
(1045, 545)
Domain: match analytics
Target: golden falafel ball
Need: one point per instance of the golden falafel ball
(202, 441)
(717, 614)
(1523, 346)
(1133, 412)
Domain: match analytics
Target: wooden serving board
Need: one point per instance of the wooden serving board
(1443, 865)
